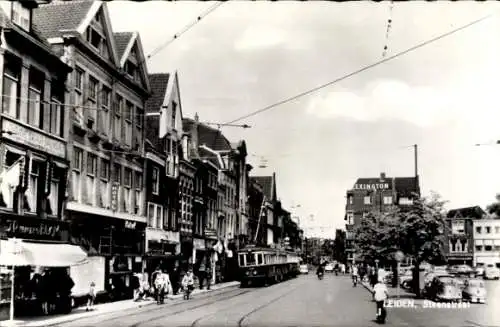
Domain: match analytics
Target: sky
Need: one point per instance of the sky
(244, 56)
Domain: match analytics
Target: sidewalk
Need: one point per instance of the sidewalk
(103, 308)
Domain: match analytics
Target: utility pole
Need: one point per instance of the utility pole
(417, 179)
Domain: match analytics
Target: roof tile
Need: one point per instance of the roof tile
(158, 84)
(209, 136)
(267, 184)
(121, 41)
(50, 19)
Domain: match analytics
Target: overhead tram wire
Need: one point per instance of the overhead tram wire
(365, 68)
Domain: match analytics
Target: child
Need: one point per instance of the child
(91, 297)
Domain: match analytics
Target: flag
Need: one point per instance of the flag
(9, 180)
(163, 122)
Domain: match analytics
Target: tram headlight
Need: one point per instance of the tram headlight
(247, 273)
(254, 272)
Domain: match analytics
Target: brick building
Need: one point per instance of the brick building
(109, 87)
(377, 193)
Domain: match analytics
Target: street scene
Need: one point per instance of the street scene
(243, 163)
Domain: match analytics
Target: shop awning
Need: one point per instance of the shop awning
(29, 253)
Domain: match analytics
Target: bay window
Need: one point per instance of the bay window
(138, 193)
(11, 86)
(76, 175)
(118, 118)
(92, 100)
(31, 194)
(127, 196)
(91, 177)
(104, 184)
(78, 109)
(35, 97)
(53, 198)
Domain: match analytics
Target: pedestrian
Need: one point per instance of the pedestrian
(175, 279)
(201, 274)
(380, 295)
(91, 297)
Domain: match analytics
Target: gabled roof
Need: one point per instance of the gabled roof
(59, 18)
(158, 83)
(208, 156)
(55, 18)
(406, 186)
(267, 184)
(208, 136)
(467, 212)
(122, 40)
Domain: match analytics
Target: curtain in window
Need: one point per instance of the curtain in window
(9, 102)
(52, 203)
(127, 199)
(90, 190)
(75, 185)
(104, 193)
(31, 194)
(138, 202)
(159, 216)
(151, 215)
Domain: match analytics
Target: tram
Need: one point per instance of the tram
(266, 265)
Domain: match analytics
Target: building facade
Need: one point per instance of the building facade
(459, 235)
(187, 173)
(378, 194)
(164, 134)
(34, 130)
(256, 205)
(108, 90)
(486, 242)
(269, 224)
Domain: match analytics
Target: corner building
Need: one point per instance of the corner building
(108, 89)
(378, 194)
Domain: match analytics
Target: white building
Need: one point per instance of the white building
(486, 242)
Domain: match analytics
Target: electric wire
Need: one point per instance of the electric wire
(356, 72)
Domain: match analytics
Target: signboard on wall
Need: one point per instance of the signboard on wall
(458, 227)
(374, 186)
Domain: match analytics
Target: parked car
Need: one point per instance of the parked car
(443, 288)
(474, 291)
(491, 272)
(329, 267)
(405, 279)
(304, 269)
(479, 271)
(465, 270)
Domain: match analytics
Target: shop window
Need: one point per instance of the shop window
(35, 97)
(53, 198)
(10, 179)
(11, 86)
(31, 194)
(104, 184)
(76, 177)
(91, 178)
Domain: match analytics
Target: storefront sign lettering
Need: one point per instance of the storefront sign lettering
(114, 197)
(36, 139)
(14, 227)
(376, 186)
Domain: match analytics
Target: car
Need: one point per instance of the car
(328, 267)
(443, 288)
(465, 270)
(479, 271)
(304, 269)
(474, 291)
(491, 272)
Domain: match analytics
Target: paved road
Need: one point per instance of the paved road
(304, 301)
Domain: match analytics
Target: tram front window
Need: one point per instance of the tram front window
(250, 259)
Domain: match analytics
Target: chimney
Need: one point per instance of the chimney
(382, 176)
(196, 118)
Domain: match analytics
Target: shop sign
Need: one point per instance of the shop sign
(33, 138)
(199, 244)
(374, 186)
(14, 227)
(114, 196)
(130, 224)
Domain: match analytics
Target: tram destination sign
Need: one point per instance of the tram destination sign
(372, 186)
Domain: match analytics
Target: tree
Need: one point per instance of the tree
(339, 253)
(416, 230)
(494, 208)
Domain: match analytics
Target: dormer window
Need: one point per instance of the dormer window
(131, 69)
(97, 41)
(21, 15)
